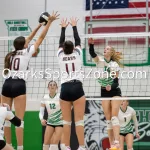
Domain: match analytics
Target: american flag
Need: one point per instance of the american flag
(126, 8)
(107, 4)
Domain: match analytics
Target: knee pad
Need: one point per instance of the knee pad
(45, 147)
(66, 123)
(80, 123)
(115, 121)
(7, 123)
(109, 124)
(19, 147)
(62, 147)
(53, 147)
(22, 125)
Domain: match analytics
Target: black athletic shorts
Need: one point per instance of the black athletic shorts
(54, 126)
(2, 144)
(13, 87)
(71, 91)
(111, 93)
(125, 134)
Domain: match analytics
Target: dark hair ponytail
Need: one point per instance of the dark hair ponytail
(7, 62)
(19, 43)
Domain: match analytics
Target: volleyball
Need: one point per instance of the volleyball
(44, 18)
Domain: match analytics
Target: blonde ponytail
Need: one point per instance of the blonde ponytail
(116, 56)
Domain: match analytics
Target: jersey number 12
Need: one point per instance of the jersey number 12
(52, 106)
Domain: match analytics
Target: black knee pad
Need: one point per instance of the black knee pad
(2, 144)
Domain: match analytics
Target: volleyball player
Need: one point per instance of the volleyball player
(5, 113)
(54, 121)
(14, 88)
(126, 115)
(109, 88)
(72, 94)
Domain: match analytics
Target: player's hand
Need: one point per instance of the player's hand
(64, 23)
(137, 135)
(54, 16)
(90, 41)
(41, 24)
(43, 122)
(73, 21)
(108, 88)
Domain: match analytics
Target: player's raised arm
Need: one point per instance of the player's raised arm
(73, 22)
(64, 24)
(33, 33)
(51, 18)
(92, 50)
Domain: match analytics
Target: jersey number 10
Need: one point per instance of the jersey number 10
(15, 64)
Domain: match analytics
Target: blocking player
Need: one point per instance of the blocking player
(14, 87)
(72, 93)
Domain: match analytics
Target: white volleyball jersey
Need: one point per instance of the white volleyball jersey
(4, 113)
(106, 69)
(70, 65)
(125, 119)
(53, 108)
(20, 61)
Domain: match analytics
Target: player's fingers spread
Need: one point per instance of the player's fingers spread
(53, 13)
(57, 15)
(71, 19)
(66, 20)
(56, 12)
(75, 19)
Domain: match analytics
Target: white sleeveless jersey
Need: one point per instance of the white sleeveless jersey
(4, 113)
(53, 109)
(106, 68)
(70, 65)
(125, 119)
(20, 61)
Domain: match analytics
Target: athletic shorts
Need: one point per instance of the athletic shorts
(54, 126)
(71, 91)
(111, 93)
(125, 134)
(13, 87)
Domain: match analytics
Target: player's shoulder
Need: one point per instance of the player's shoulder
(46, 96)
(114, 63)
(131, 109)
(60, 52)
(78, 50)
(57, 95)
